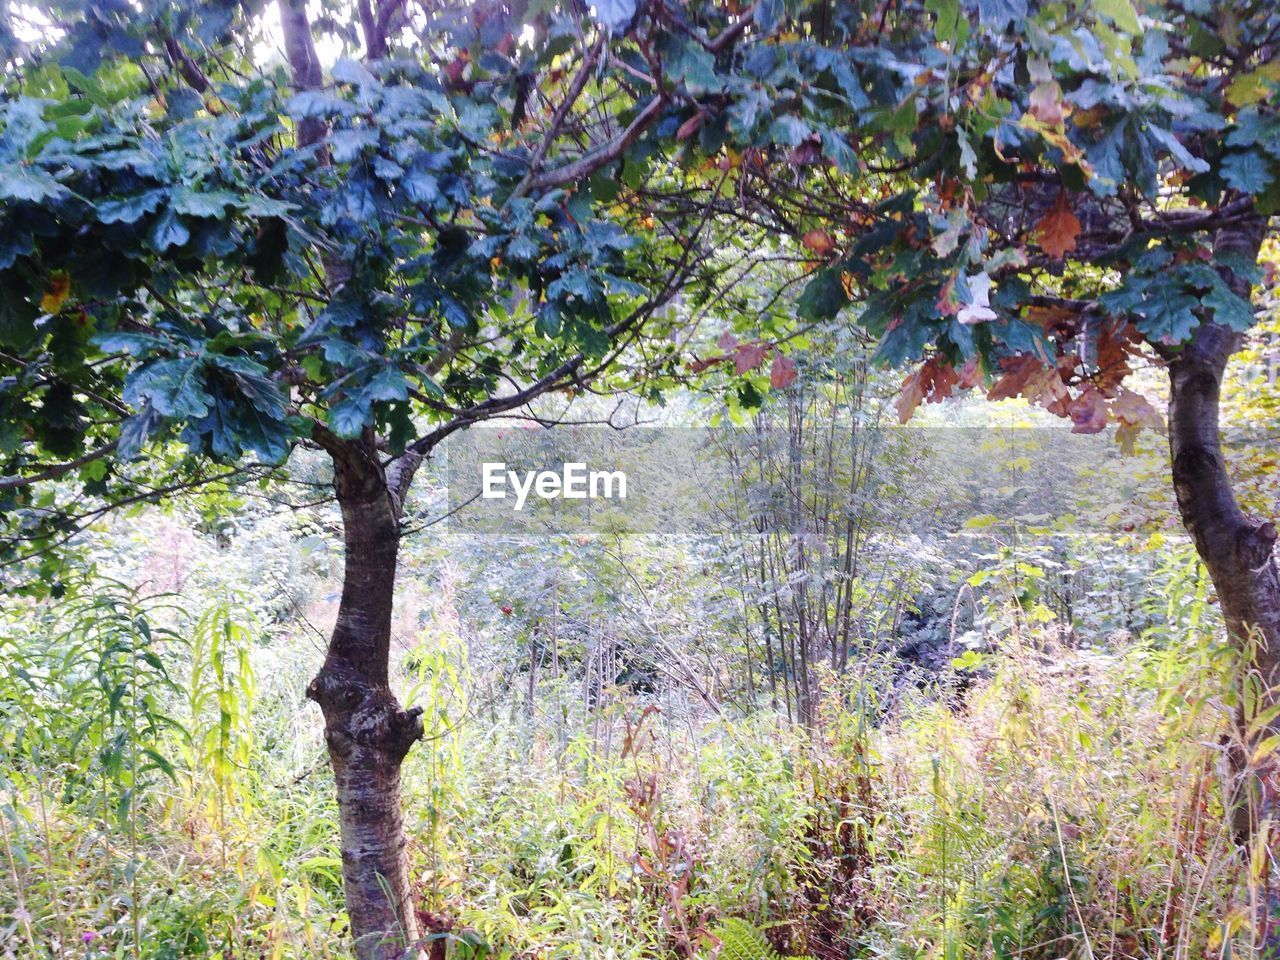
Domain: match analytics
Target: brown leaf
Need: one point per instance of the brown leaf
(1055, 319)
(1114, 351)
(910, 396)
(748, 356)
(934, 380)
(1017, 371)
(697, 364)
(1058, 228)
(783, 372)
(819, 242)
(1027, 377)
(1088, 411)
(941, 377)
(970, 374)
(805, 153)
(1135, 410)
(1048, 390)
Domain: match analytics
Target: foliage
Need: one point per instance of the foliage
(1048, 812)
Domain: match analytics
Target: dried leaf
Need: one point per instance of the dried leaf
(1058, 228)
(909, 397)
(818, 241)
(1088, 411)
(1017, 371)
(934, 379)
(1134, 409)
(748, 356)
(1046, 103)
(783, 372)
(1114, 351)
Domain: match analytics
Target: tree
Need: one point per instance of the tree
(1042, 198)
(199, 251)
(494, 201)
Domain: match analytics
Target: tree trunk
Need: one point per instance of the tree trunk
(367, 732)
(1237, 550)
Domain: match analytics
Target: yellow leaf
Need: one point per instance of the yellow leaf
(59, 290)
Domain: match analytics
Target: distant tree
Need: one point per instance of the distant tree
(495, 201)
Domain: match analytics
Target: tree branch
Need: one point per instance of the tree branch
(58, 469)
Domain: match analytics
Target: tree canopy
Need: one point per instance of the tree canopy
(495, 199)
(209, 256)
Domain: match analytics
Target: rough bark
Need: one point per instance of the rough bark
(367, 731)
(1237, 550)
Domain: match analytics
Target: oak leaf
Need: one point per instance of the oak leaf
(1046, 103)
(690, 126)
(978, 309)
(910, 395)
(1088, 411)
(1135, 410)
(933, 380)
(1058, 228)
(970, 374)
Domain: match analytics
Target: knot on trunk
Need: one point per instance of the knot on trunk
(360, 713)
(1255, 544)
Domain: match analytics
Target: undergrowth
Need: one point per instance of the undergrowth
(164, 795)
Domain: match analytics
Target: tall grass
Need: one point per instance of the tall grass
(163, 795)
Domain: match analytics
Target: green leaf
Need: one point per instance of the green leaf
(951, 26)
(746, 112)
(212, 203)
(317, 104)
(823, 296)
(350, 416)
(386, 384)
(1228, 308)
(17, 315)
(688, 62)
(130, 209)
(838, 151)
(1181, 156)
(351, 71)
(257, 205)
(1121, 13)
(168, 231)
(136, 344)
(348, 144)
(1167, 314)
(175, 388)
(1000, 13)
(20, 182)
(614, 14)
(255, 383)
(1247, 172)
